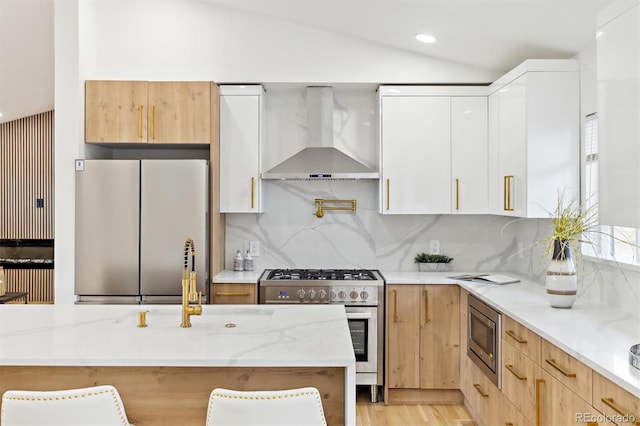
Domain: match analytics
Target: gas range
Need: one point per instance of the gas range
(345, 286)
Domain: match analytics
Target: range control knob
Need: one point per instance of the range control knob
(353, 294)
(333, 295)
(300, 294)
(364, 295)
(312, 294)
(342, 295)
(322, 294)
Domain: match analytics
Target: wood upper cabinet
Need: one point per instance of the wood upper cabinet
(423, 336)
(148, 112)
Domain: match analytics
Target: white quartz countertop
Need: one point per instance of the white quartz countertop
(107, 335)
(237, 277)
(596, 334)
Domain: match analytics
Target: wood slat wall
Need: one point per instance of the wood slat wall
(26, 174)
(37, 282)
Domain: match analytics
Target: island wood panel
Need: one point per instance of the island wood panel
(26, 175)
(37, 282)
(169, 396)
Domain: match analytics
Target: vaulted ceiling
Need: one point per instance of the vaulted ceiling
(490, 34)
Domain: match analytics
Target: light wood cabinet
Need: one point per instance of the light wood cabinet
(423, 338)
(241, 127)
(567, 370)
(535, 112)
(521, 338)
(148, 112)
(615, 402)
(234, 293)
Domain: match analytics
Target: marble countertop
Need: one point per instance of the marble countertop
(594, 333)
(107, 335)
(237, 277)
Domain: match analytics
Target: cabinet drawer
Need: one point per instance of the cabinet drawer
(234, 294)
(518, 380)
(614, 401)
(568, 370)
(521, 338)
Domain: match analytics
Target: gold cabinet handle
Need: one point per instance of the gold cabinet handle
(539, 382)
(482, 394)
(153, 122)
(140, 122)
(506, 193)
(611, 404)
(388, 192)
(552, 362)
(252, 191)
(515, 337)
(457, 194)
(231, 293)
(426, 306)
(395, 305)
(508, 424)
(513, 371)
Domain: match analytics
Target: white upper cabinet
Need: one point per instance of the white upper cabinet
(415, 155)
(618, 58)
(469, 155)
(534, 138)
(433, 150)
(241, 115)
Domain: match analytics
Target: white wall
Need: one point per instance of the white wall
(195, 40)
(597, 281)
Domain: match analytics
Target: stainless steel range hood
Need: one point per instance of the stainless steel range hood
(321, 159)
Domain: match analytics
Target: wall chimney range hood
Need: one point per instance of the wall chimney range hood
(321, 159)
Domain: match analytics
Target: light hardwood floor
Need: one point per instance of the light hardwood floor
(378, 414)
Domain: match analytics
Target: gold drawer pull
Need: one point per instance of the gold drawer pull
(388, 193)
(252, 190)
(513, 371)
(395, 305)
(426, 306)
(611, 404)
(539, 382)
(515, 337)
(482, 394)
(508, 424)
(140, 122)
(552, 362)
(231, 293)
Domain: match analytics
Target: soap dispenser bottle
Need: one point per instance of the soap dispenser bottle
(238, 262)
(248, 262)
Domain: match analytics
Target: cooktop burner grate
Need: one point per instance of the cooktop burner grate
(322, 274)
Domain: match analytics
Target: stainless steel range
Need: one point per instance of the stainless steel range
(361, 291)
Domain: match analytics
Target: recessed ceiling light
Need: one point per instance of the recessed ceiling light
(425, 38)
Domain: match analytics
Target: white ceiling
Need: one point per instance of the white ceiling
(491, 34)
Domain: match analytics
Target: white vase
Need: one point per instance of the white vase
(562, 281)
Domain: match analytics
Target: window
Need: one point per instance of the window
(609, 242)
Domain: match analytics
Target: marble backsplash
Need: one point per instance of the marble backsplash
(292, 236)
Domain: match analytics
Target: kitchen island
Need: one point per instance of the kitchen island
(165, 373)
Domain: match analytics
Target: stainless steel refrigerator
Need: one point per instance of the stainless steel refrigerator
(132, 219)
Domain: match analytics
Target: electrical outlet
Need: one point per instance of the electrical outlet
(434, 246)
(254, 248)
(79, 165)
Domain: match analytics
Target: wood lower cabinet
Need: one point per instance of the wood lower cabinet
(234, 294)
(148, 112)
(423, 343)
(610, 399)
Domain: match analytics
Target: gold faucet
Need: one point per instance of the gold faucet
(189, 293)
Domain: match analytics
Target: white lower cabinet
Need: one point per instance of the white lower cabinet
(241, 130)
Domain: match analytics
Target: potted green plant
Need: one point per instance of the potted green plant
(432, 262)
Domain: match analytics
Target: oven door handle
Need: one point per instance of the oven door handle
(358, 315)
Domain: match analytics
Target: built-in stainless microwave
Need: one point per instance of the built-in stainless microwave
(483, 339)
